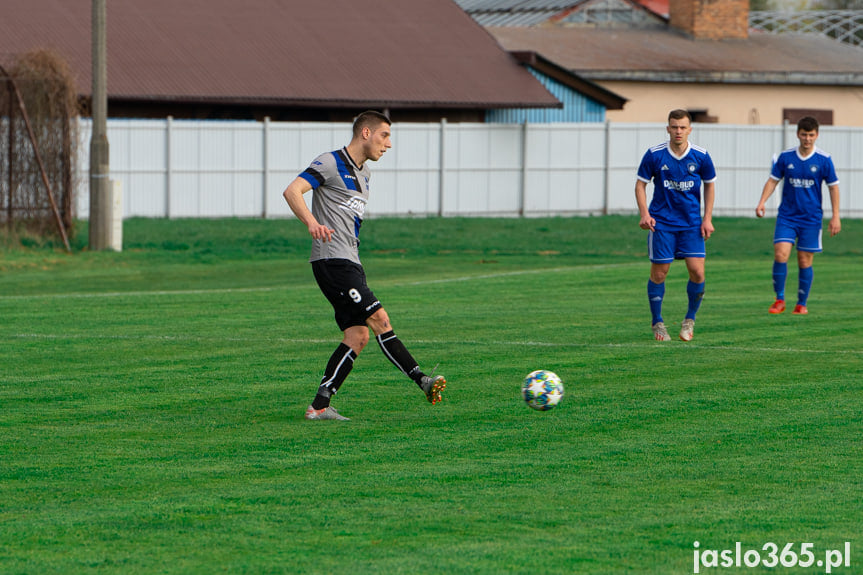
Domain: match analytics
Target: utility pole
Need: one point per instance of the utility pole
(100, 184)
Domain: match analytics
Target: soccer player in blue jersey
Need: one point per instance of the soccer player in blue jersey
(676, 227)
(340, 181)
(804, 168)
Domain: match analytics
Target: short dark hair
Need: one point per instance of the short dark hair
(679, 114)
(807, 124)
(371, 119)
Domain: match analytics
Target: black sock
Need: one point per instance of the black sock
(321, 401)
(397, 353)
(338, 368)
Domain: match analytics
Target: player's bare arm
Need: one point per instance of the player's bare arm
(707, 219)
(835, 225)
(294, 196)
(766, 192)
(647, 221)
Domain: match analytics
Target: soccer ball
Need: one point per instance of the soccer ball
(542, 389)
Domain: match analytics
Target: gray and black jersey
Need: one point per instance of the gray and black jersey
(341, 191)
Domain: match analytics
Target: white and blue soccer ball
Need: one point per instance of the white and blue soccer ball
(542, 389)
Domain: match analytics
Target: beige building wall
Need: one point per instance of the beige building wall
(734, 104)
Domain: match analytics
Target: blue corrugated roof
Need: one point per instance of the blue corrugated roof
(576, 107)
(515, 12)
(508, 5)
(527, 18)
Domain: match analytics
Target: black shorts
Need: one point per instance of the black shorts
(343, 282)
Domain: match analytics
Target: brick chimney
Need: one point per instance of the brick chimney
(710, 19)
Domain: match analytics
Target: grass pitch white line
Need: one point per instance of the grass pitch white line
(521, 273)
(525, 344)
(143, 293)
(88, 295)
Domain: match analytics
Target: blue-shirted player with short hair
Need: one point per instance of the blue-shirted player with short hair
(804, 168)
(677, 229)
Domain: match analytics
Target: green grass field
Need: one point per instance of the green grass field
(151, 405)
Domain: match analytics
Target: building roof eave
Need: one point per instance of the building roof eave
(850, 79)
(607, 98)
(319, 102)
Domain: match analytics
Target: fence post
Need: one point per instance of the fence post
(169, 122)
(606, 168)
(441, 167)
(266, 166)
(777, 197)
(522, 193)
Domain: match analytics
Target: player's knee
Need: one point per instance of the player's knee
(696, 273)
(363, 340)
(657, 276)
(356, 338)
(782, 251)
(379, 322)
(658, 272)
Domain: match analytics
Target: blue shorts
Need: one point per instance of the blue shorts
(665, 246)
(808, 237)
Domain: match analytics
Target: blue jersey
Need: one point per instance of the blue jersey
(801, 191)
(676, 203)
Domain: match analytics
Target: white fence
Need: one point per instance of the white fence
(178, 169)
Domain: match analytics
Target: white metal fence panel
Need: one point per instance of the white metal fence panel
(482, 169)
(215, 169)
(290, 148)
(138, 158)
(845, 145)
(172, 168)
(408, 181)
(626, 145)
(565, 169)
(742, 156)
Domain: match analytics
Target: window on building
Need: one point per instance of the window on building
(702, 116)
(793, 115)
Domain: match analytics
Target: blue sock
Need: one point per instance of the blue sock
(780, 272)
(804, 282)
(696, 293)
(655, 293)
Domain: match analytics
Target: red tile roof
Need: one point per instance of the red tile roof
(658, 7)
(342, 53)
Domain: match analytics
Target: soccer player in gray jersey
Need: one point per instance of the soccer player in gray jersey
(340, 181)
